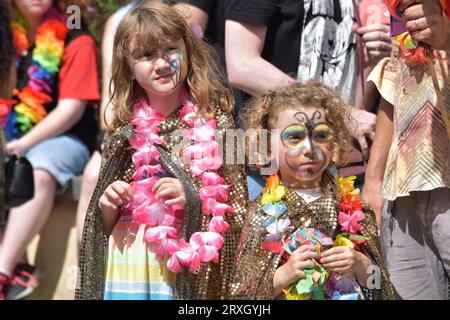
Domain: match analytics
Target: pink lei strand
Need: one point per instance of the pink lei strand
(204, 162)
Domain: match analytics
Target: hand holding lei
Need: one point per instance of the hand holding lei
(204, 162)
(280, 237)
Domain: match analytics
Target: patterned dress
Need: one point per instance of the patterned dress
(419, 157)
(132, 270)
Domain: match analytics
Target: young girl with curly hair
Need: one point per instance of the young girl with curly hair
(308, 236)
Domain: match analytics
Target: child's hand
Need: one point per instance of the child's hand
(292, 270)
(116, 194)
(170, 189)
(341, 260)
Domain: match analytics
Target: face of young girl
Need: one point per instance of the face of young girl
(161, 72)
(33, 8)
(303, 142)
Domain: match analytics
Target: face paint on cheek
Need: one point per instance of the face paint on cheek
(295, 152)
(175, 66)
(320, 154)
(310, 146)
(176, 59)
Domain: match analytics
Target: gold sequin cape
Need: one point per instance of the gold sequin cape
(253, 277)
(212, 279)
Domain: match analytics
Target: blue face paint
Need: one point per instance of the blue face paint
(175, 61)
(174, 65)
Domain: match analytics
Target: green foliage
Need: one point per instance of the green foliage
(99, 12)
(107, 7)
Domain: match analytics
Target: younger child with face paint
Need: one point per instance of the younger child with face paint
(308, 135)
(170, 207)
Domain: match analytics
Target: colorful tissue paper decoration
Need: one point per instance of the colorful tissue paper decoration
(319, 283)
(280, 239)
(313, 285)
(19, 115)
(307, 236)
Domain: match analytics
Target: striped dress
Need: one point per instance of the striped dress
(132, 270)
(419, 157)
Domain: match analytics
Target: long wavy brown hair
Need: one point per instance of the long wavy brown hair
(261, 113)
(150, 26)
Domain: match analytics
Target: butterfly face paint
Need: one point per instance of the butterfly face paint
(298, 136)
(175, 64)
(305, 138)
(163, 70)
(175, 60)
(302, 137)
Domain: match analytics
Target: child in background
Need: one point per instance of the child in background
(52, 111)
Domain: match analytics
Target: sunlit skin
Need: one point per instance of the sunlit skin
(161, 72)
(33, 9)
(302, 161)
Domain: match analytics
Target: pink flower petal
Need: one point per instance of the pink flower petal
(159, 233)
(218, 225)
(211, 178)
(214, 208)
(208, 253)
(216, 192)
(199, 239)
(153, 213)
(173, 264)
(208, 163)
(147, 171)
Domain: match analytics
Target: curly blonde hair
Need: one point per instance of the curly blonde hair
(261, 113)
(149, 26)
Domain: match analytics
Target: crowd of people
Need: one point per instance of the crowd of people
(346, 108)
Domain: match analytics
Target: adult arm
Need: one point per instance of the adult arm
(247, 70)
(372, 194)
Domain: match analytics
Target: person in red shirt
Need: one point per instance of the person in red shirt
(58, 146)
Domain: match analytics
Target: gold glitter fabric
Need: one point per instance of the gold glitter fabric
(211, 280)
(255, 267)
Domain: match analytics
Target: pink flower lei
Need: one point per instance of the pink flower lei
(204, 162)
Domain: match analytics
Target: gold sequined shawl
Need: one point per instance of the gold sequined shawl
(253, 277)
(211, 281)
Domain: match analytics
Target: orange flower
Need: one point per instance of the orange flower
(54, 27)
(19, 38)
(273, 192)
(272, 182)
(35, 100)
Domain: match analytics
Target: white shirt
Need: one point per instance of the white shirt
(309, 195)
